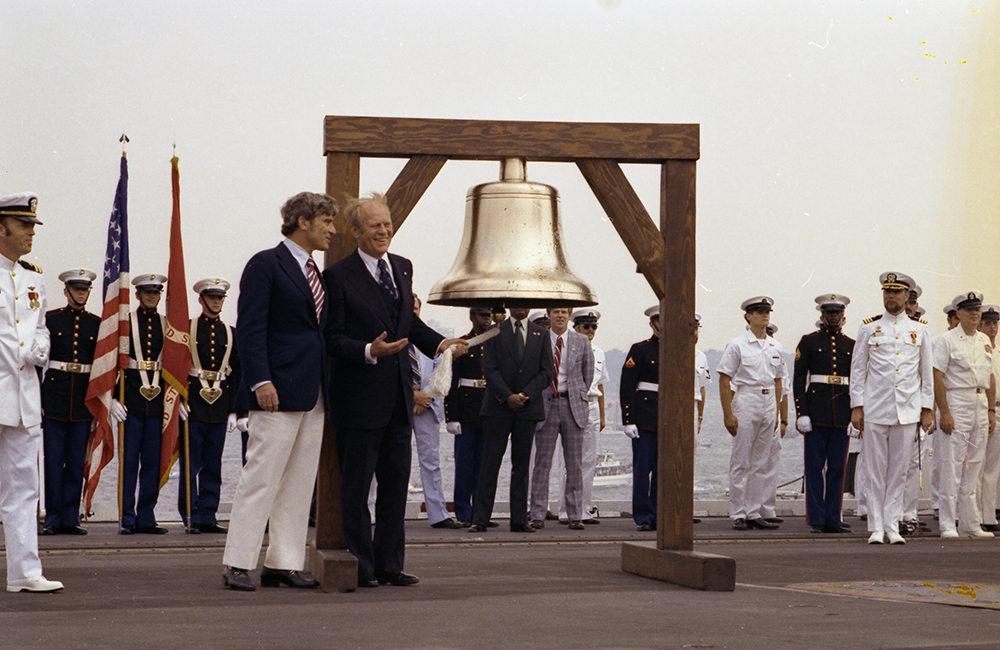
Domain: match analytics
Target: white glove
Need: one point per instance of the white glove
(631, 431)
(804, 424)
(454, 428)
(118, 411)
(921, 435)
(183, 410)
(231, 423)
(241, 425)
(852, 432)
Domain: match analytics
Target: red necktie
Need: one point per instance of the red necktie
(555, 366)
(319, 296)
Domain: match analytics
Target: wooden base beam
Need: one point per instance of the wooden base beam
(336, 570)
(692, 569)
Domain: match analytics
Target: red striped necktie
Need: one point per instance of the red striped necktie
(319, 295)
(555, 366)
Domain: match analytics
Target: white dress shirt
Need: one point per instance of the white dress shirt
(750, 361)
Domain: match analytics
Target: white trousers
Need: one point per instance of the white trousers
(751, 453)
(19, 499)
(960, 473)
(886, 453)
(588, 463)
(989, 479)
(939, 443)
(769, 480)
(861, 482)
(427, 435)
(276, 484)
(916, 473)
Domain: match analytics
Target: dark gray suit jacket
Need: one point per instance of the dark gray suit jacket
(506, 375)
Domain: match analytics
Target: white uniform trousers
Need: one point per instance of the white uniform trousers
(887, 453)
(19, 499)
(427, 435)
(769, 479)
(989, 478)
(916, 473)
(748, 463)
(588, 463)
(861, 482)
(941, 449)
(960, 476)
(276, 484)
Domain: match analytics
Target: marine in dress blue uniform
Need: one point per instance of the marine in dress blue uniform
(823, 406)
(461, 411)
(144, 409)
(66, 421)
(638, 394)
(215, 375)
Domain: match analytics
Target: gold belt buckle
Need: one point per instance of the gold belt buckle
(210, 375)
(834, 379)
(73, 367)
(146, 365)
(480, 383)
(765, 391)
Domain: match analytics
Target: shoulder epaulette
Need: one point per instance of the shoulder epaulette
(30, 266)
(872, 319)
(918, 319)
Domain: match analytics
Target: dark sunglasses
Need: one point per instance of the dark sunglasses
(588, 326)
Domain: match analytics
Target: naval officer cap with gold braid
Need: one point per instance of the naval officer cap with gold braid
(896, 281)
(21, 206)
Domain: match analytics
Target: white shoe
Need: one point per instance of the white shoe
(894, 537)
(37, 583)
(949, 534)
(878, 537)
(979, 534)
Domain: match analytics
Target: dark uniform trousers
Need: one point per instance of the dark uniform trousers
(207, 426)
(829, 409)
(143, 429)
(462, 405)
(639, 407)
(66, 425)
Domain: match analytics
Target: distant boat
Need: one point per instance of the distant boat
(611, 471)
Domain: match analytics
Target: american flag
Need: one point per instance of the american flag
(176, 350)
(111, 352)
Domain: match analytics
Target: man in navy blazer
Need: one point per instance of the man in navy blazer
(517, 366)
(282, 315)
(371, 392)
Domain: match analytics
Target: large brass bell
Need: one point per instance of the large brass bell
(512, 249)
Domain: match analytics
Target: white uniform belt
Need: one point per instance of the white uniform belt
(472, 383)
(836, 380)
(756, 390)
(978, 390)
(145, 365)
(648, 385)
(208, 375)
(69, 366)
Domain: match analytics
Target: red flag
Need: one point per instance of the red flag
(111, 351)
(176, 351)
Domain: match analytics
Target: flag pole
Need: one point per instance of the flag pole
(121, 452)
(188, 479)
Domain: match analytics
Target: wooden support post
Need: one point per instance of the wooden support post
(334, 567)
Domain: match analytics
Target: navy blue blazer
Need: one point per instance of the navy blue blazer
(363, 395)
(278, 336)
(506, 375)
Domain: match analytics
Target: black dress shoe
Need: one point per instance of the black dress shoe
(71, 530)
(775, 520)
(834, 529)
(644, 527)
(576, 525)
(537, 524)
(846, 525)
(492, 524)
(193, 531)
(697, 521)
(549, 516)
(289, 578)
(740, 524)
(127, 530)
(992, 528)
(477, 528)
(590, 521)
(151, 530)
(400, 580)
(447, 523)
(238, 579)
(367, 583)
(816, 529)
(522, 528)
(464, 523)
(762, 524)
(49, 530)
(213, 528)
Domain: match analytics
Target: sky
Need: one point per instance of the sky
(838, 139)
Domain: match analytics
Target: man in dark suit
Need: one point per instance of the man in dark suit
(282, 313)
(517, 365)
(371, 393)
